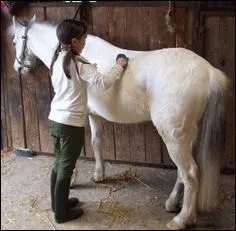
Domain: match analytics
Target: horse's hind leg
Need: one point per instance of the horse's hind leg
(177, 132)
(173, 202)
(180, 153)
(97, 141)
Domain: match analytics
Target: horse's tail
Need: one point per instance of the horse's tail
(209, 144)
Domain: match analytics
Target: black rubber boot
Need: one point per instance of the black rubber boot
(71, 203)
(62, 212)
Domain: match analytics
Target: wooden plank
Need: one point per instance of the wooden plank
(189, 4)
(42, 83)
(211, 43)
(43, 96)
(16, 111)
(4, 142)
(57, 14)
(13, 91)
(30, 106)
(219, 47)
(5, 117)
(116, 35)
(153, 144)
(116, 26)
(30, 112)
(135, 41)
(180, 16)
(150, 37)
(108, 151)
(151, 42)
(100, 22)
(134, 32)
(100, 28)
(226, 59)
(137, 142)
(188, 33)
(122, 142)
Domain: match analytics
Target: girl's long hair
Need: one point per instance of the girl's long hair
(66, 31)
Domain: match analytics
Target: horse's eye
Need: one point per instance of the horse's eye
(14, 43)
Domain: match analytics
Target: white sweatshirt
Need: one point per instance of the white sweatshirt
(69, 104)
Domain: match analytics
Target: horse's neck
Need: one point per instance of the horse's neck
(43, 42)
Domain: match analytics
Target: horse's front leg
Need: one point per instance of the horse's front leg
(97, 143)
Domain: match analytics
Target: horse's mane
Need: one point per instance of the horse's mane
(47, 23)
(51, 24)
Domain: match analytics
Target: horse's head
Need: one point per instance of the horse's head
(25, 59)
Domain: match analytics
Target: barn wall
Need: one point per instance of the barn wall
(25, 100)
(217, 44)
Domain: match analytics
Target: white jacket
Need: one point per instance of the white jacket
(69, 104)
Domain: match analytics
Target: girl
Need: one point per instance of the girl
(70, 73)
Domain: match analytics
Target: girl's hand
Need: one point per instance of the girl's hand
(121, 61)
(95, 65)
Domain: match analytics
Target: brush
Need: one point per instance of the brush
(23, 152)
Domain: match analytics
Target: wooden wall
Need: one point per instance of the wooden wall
(218, 42)
(25, 100)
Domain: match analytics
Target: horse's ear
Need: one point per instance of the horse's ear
(14, 21)
(33, 19)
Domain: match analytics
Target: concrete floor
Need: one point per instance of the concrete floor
(134, 203)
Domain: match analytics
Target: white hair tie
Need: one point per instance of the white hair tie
(65, 47)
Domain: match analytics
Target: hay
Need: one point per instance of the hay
(6, 151)
(128, 175)
(124, 176)
(10, 220)
(112, 209)
(34, 205)
(137, 179)
(109, 205)
(33, 202)
(47, 221)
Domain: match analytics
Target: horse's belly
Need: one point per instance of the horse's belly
(119, 108)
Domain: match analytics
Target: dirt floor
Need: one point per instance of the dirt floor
(132, 197)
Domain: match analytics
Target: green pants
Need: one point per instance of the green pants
(68, 142)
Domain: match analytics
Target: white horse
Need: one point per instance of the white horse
(174, 88)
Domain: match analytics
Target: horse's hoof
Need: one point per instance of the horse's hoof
(171, 207)
(97, 179)
(72, 186)
(174, 226)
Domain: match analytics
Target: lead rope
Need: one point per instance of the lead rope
(171, 27)
(76, 12)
